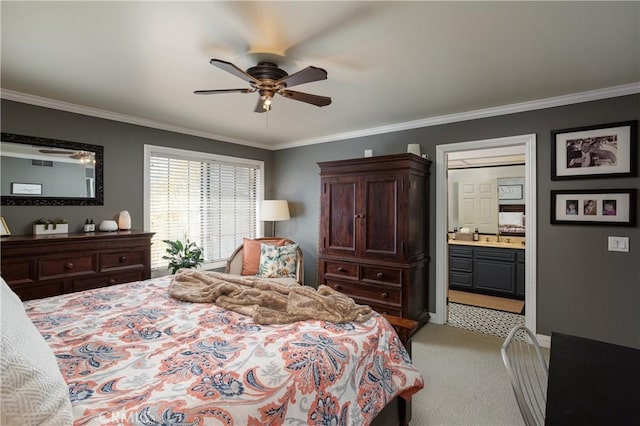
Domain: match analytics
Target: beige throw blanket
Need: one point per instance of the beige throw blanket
(267, 302)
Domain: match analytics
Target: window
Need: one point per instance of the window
(209, 199)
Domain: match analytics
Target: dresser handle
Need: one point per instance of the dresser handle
(379, 275)
(112, 281)
(384, 295)
(340, 269)
(68, 266)
(337, 286)
(123, 259)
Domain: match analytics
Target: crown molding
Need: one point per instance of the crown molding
(592, 95)
(12, 95)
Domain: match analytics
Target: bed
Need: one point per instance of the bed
(131, 354)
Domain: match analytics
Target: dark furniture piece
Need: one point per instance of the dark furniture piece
(487, 270)
(374, 232)
(592, 382)
(50, 265)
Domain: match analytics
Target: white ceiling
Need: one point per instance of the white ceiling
(391, 65)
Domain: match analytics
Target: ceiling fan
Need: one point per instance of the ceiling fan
(267, 79)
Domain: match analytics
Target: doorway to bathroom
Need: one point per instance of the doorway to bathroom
(477, 154)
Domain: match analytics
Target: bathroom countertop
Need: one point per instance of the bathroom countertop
(512, 243)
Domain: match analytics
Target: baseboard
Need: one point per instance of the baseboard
(543, 340)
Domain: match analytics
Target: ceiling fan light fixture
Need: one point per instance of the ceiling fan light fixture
(268, 79)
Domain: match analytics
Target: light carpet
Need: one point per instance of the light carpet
(465, 380)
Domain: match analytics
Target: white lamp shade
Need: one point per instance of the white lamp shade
(273, 210)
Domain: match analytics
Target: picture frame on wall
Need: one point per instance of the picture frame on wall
(601, 151)
(4, 229)
(616, 207)
(509, 192)
(26, 188)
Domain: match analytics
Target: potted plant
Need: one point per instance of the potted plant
(50, 226)
(182, 255)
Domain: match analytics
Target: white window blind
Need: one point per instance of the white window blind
(211, 201)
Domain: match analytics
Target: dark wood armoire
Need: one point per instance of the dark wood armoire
(374, 225)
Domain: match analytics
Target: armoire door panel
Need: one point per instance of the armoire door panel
(340, 216)
(380, 221)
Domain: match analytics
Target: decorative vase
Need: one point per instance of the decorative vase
(414, 148)
(124, 220)
(108, 225)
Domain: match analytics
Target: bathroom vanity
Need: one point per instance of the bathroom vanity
(488, 266)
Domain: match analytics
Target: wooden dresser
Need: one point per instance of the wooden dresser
(50, 265)
(374, 223)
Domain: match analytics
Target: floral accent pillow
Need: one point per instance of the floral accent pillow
(277, 261)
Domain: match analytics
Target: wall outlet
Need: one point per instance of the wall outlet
(618, 244)
(368, 153)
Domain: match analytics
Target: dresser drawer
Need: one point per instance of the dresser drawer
(19, 271)
(385, 275)
(108, 280)
(69, 266)
(366, 292)
(340, 269)
(121, 260)
(39, 290)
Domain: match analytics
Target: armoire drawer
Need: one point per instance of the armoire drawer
(385, 275)
(382, 309)
(341, 269)
(369, 292)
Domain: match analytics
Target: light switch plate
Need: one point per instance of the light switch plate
(619, 244)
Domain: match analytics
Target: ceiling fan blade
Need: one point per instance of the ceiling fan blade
(53, 151)
(213, 92)
(232, 69)
(260, 106)
(306, 75)
(306, 97)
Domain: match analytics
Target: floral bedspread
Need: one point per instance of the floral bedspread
(131, 354)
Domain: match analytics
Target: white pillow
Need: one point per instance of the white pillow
(32, 390)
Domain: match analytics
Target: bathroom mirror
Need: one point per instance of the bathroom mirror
(49, 172)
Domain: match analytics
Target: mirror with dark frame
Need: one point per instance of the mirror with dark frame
(50, 172)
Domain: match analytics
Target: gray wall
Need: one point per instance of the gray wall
(123, 161)
(582, 288)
